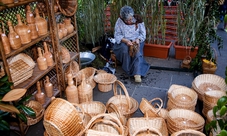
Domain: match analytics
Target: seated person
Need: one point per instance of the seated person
(129, 31)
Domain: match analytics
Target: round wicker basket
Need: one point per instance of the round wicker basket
(213, 96)
(125, 104)
(61, 118)
(67, 7)
(188, 132)
(105, 81)
(93, 108)
(208, 82)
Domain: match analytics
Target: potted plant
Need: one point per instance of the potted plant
(205, 35)
(12, 106)
(218, 126)
(155, 22)
(189, 17)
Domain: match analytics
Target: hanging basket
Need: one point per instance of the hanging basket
(125, 104)
(67, 7)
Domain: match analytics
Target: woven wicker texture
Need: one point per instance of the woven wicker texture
(135, 124)
(210, 67)
(125, 104)
(208, 82)
(182, 97)
(89, 73)
(105, 81)
(180, 119)
(188, 132)
(93, 108)
(73, 68)
(213, 96)
(101, 126)
(61, 118)
(147, 131)
(207, 106)
(67, 7)
(39, 111)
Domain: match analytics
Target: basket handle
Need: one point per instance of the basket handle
(153, 109)
(93, 119)
(115, 109)
(81, 110)
(117, 82)
(152, 129)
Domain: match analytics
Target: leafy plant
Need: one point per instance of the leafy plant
(219, 124)
(12, 105)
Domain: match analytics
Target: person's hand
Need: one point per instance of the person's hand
(129, 43)
(137, 41)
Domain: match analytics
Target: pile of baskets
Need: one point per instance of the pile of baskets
(182, 97)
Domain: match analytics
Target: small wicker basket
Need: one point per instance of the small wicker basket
(67, 7)
(125, 104)
(188, 132)
(39, 111)
(105, 81)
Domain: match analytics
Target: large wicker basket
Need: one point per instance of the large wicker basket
(105, 81)
(207, 82)
(125, 104)
(180, 119)
(134, 124)
(61, 118)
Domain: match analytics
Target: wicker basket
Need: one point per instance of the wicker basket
(73, 68)
(182, 97)
(147, 131)
(61, 118)
(180, 119)
(105, 81)
(173, 87)
(188, 132)
(89, 73)
(208, 66)
(98, 126)
(21, 68)
(135, 124)
(213, 96)
(67, 7)
(93, 108)
(125, 104)
(208, 82)
(207, 106)
(39, 111)
(65, 55)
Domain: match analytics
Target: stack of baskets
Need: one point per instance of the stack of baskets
(207, 82)
(105, 81)
(210, 100)
(180, 119)
(182, 97)
(125, 104)
(21, 68)
(188, 132)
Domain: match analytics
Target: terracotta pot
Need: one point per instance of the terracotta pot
(14, 38)
(7, 1)
(182, 51)
(40, 96)
(47, 54)
(29, 15)
(71, 90)
(68, 25)
(41, 23)
(41, 61)
(157, 51)
(5, 40)
(49, 89)
(34, 33)
(64, 30)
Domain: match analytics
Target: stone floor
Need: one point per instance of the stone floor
(163, 73)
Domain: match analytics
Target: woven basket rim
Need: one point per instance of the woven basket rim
(110, 78)
(67, 12)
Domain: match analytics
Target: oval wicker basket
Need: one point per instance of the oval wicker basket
(67, 7)
(147, 131)
(61, 118)
(188, 132)
(93, 108)
(180, 119)
(39, 111)
(125, 104)
(89, 73)
(105, 81)
(135, 124)
(98, 126)
(213, 96)
(208, 82)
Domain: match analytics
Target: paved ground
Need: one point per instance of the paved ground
(163, 73)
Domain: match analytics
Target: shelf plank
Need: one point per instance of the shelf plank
(68, 36)
(48, 99)
(16, 4)
(25, 46)
(37, 74)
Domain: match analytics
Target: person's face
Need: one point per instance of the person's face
(129, 21)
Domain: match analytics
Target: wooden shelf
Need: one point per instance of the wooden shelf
(37, 74)
(16, 4)
(68, 36)
(25, 46)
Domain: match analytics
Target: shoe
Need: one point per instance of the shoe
(137, 78)
(225, 30)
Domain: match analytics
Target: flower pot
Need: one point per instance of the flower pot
(182, 51)
(157, 50)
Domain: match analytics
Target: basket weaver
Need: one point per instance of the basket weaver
(61, 118)
(125, 104)
(206, 82)
(135, 124)
(188, 132)
(105, 81)
(39, 111)
(98, 126)
(180, 119)
(21, 68)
